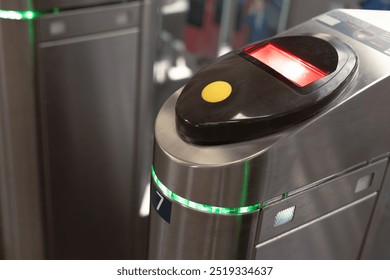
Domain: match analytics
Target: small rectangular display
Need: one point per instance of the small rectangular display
(290, 66)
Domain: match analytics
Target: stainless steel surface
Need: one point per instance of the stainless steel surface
(377, 241)
(89, 126)
(320, 200)
(376, 245)
(13, 5)
(42, 4)
(337, 235)
(2, 253)
(76, 3)
(86, 21)
(20, 200)
(144, 121)
(284, 14)
(196, 235)
(90, 151)
(228, 19)
(65, 4)
(350, 133)
(302, 10)
(51, 4)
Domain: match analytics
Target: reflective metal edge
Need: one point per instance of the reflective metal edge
(20, 184)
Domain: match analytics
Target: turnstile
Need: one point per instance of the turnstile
(75, 125)
(279, 150)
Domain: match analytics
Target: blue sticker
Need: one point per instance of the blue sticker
(161, 204)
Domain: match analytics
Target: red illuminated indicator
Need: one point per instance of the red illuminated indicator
(290, 66)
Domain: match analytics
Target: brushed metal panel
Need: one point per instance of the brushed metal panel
(302, 10)
(337, 235)
(88, 99)
(14, 5)
(65, 4)
(145, 99)
(51, 4)
(43, 4)
(196, 235)
(376, 245)
(320, 200)
(20, 182)
(80, 3)
(87, 21)
(379, 248)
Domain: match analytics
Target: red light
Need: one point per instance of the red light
(290, 66)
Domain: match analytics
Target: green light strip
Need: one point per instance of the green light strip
(203, 207)
(19, 15)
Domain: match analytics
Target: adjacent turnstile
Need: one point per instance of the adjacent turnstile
(76, 80)
(279, 150)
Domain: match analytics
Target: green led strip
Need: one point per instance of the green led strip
(19, 15)
(203, 207)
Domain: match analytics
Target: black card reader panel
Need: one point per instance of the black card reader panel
(257, 91)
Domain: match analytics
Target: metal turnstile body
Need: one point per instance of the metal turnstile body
(316, 189)
(75, 127)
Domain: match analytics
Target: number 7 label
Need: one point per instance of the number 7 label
(161, 204)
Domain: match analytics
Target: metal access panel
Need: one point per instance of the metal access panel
(337, 235)
(328, 221)
(88, 97)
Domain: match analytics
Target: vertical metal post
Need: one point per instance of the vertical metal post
(228, 19)
(284, 15)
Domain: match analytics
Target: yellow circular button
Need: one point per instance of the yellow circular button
(216, 91)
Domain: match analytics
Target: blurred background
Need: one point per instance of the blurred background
(81, 83)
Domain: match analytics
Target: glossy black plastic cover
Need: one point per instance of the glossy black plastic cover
(262, 100)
